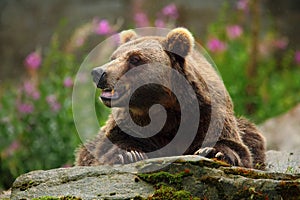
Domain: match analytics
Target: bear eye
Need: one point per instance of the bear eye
(135, 60)
(112, 58)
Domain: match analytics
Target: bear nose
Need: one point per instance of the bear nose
(99, 77)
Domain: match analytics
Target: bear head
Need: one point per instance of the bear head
(149, 58)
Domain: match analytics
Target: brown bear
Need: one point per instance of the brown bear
(211, 128)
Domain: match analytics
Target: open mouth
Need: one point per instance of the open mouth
(109, 94)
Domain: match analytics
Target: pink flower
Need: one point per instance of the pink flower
(281, 43)
(25, 108)
(55, 107)
(14, 146)
(141, 19)
(31, 91)
(297, 57)
(160, 23)
(35, 95)
(68, 82)
(216, 45)
(80, 41)
(52, 101)
(234, 31)
(28, 87)
(33, 60)
(67, 165)
(103, 27)
(243, 5)
(170, 10)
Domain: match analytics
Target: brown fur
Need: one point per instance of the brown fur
(239, 142)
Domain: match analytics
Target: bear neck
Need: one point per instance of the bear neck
(142, 118)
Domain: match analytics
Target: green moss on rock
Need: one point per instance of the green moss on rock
(167, 185)
(174, 180)
(166, 192)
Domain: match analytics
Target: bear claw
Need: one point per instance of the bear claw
(130, 157)
(206, 151)
(210, 152)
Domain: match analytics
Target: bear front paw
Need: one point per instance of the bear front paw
(210, 152)
(130, 156)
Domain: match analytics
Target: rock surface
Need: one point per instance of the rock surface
(283, 162)
(283, 132)
(183, 177)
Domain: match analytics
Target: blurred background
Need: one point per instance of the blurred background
(254, 43)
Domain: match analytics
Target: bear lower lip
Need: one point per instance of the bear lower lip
(109, 95)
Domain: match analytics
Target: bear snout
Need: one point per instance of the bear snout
(99, 77)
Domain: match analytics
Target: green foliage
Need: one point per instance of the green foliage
(275, 84)
(36, 120)
(42, 137)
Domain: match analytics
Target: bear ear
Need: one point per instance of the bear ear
(126, 36)
(179, 41)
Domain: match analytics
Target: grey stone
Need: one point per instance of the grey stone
(284, 162)
(283, 132)
(85, 182)
(194, 176)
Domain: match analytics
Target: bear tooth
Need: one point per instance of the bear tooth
(112, 91)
